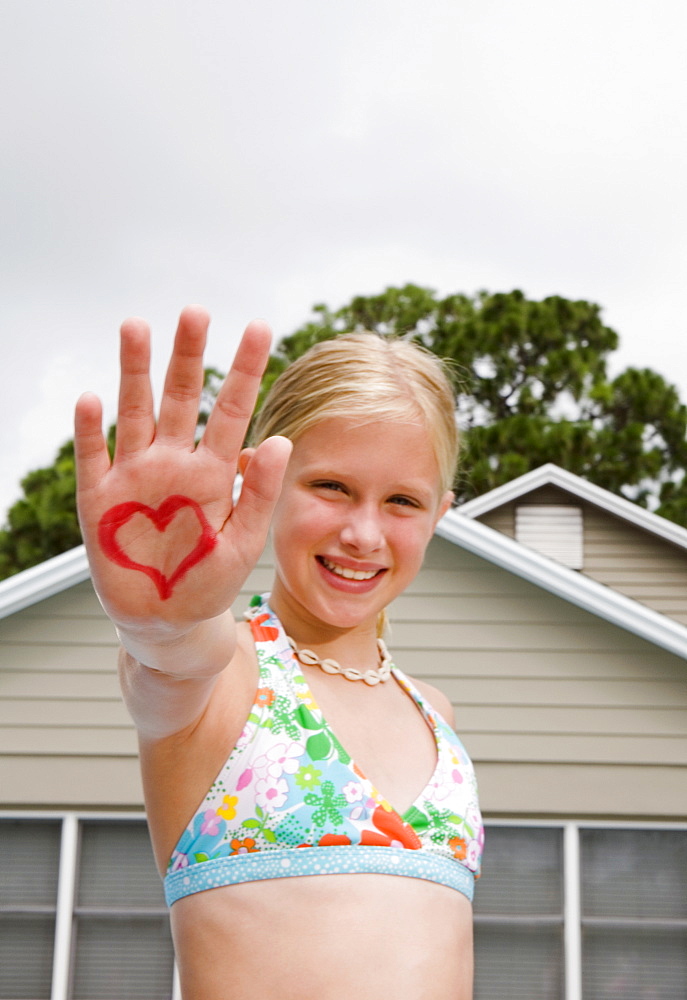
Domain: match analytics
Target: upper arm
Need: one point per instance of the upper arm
(187, 729)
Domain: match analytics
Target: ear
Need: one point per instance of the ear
(444, 505)
(244, 459)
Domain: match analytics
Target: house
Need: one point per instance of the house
(553, 614)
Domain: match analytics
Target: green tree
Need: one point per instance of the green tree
(43, 523)
(532, 387)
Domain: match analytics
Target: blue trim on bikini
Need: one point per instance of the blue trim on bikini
(332, 860)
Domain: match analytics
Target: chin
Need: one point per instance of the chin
(342, 615)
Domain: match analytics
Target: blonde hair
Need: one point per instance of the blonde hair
(365, 377)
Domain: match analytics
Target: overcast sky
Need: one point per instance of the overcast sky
(261, 157)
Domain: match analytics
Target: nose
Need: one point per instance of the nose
(362, 531)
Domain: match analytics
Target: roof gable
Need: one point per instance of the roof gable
(553, 475)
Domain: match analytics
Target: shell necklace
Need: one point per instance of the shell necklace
(371, 677)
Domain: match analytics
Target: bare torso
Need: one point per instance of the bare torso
(329, 937)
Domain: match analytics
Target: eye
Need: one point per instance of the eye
(328, 484)
(403, 501)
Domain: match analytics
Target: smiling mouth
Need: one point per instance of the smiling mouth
(349, 574)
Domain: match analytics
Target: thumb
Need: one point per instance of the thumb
(264, 475)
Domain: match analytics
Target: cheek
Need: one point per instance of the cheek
(299, 523)
(411, 540)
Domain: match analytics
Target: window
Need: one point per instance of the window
(582, 912)
(82, 912)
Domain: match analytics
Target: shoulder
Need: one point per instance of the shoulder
(437, 699)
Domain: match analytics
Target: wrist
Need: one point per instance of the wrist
(203, 649)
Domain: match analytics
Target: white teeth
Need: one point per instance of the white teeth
(349, 574)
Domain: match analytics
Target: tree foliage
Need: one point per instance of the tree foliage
(532, 387)
(43, 523)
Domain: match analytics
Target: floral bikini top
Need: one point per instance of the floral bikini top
(290, 800)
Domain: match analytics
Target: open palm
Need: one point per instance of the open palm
(167, 546)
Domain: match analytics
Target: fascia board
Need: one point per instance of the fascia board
(553, 475)
(42, 581)
(599, 600)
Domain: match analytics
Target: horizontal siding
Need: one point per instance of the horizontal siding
(60, 708)
(64, 782)
(66, 738)
(42, 711)
(538, 637)
(53, 658)
(643, 567)
(568, 663)
(584, 791)
(51, 631)
(545, 694)
(501, 519)
(72, 740)
(60, 687)
(541, 685)
(76, 602)
(517, 720)
(593, 750)
(474, 609)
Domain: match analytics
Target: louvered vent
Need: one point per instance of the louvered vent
(554, 530)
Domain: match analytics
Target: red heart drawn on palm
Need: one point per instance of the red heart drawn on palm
(116, 517)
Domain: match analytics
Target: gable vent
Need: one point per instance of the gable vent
(554, 530)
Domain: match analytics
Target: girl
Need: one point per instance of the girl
(313, 815)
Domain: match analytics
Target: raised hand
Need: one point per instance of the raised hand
(167, 547)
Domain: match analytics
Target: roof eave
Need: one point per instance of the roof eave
(602, 601)
(42, 581)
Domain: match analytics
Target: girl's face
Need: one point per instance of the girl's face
(358, 507)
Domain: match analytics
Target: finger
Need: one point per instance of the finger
(233, 407)
(136, 418)
(261, 488)
(184, 381)
(90, 447)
